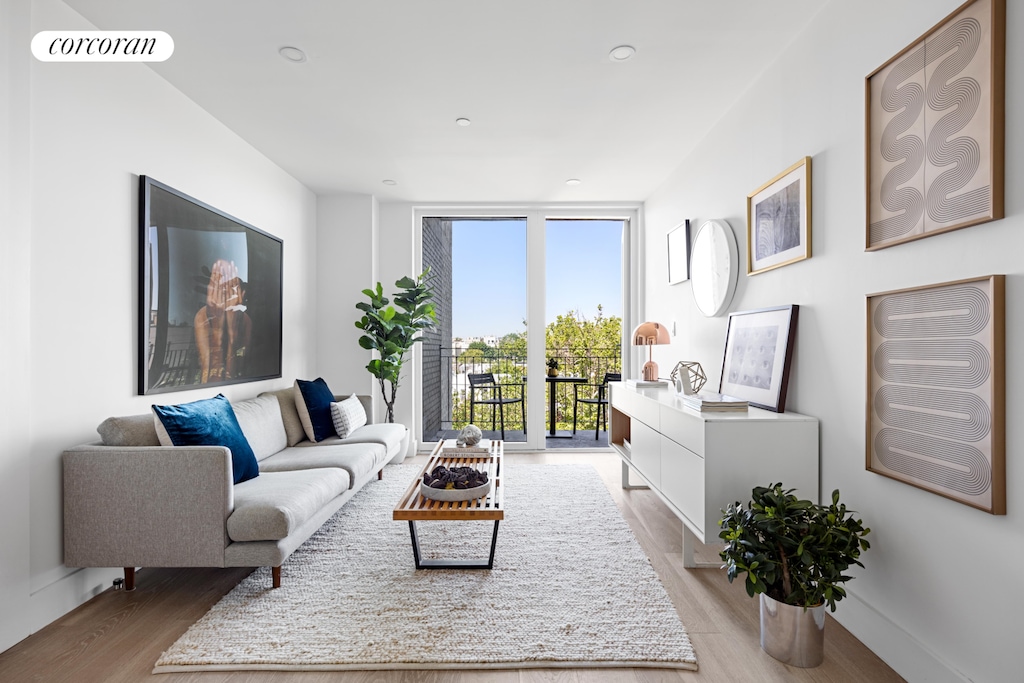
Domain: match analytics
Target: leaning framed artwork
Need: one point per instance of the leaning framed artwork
(935, 389)
(935, 129)
(679, 253)
(779, 220)
(210, 293)
(758, 356)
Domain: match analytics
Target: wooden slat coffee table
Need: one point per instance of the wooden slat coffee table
(413, 507)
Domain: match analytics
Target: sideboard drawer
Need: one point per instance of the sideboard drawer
(646, 452)
(682, 482)
(635, 404)
(683, 427)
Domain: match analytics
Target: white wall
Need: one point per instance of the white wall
(70, 289)
(14, 320)
(345, 267)
(396, 258)
(937, 599)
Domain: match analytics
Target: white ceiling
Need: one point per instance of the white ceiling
(386, 79)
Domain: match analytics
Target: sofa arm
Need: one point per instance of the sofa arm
(153, 506)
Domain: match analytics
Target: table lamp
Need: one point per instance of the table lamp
(649, 334)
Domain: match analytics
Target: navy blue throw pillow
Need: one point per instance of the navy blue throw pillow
(210, 422)
(315, 408)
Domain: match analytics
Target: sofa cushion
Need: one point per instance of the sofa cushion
(388, 434)
(313, 401)
(272, 506)
(210, 422)
(289, 414)
(348, 415)
(131, 430)
(260, 420)
(358, 460)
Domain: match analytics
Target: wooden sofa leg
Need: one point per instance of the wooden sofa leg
(275, 572)
(380, 474)
(129, 578)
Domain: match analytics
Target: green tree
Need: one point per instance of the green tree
(471, 358)
(586, 348)
(487, 351)
(513, 344)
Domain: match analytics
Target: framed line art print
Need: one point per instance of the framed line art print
(779, 220)
(935, 389)
(935, 129)
(758, 356)
(679, 253)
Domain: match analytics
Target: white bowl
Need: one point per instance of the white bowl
(455, 494)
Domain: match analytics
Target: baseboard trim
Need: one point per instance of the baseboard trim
(53, 601)
(907, 656)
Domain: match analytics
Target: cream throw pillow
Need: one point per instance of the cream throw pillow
(348, 416)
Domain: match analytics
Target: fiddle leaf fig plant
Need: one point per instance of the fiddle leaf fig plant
(393, 329)
(793, 550)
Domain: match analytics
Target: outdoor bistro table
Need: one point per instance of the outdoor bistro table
(554, 382)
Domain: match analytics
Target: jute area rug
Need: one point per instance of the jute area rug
(570, 587)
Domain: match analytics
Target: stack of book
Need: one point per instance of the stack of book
(450, 448)
(707, 401)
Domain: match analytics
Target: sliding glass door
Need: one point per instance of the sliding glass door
(493, 275)
(583, 326)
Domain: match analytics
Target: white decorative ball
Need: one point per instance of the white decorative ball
(470, 435)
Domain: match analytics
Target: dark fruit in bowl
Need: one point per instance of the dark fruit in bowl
(455, 478)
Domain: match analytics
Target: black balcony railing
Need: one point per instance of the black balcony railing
(446, 388)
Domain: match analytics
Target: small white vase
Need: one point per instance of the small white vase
(792, 634)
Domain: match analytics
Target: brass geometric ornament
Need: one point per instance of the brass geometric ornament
(688, 377)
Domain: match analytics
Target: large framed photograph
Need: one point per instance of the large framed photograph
(936, 408)
(679, 253)
(779, 220)
(935, 120)
(210, 293)
(758, 356)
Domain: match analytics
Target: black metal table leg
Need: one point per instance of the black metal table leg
(451, 564)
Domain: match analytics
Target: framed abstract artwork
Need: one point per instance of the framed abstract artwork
(758, 356)
(679, 253)
(935, 389)
(779, 220)
(210, 292)
(935, 121)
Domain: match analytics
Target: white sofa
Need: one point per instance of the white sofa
(130, 502)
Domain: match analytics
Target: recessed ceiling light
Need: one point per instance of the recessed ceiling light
(573, 181)
(463, 122)
(621, 53)
(292, 54)
(389, 181)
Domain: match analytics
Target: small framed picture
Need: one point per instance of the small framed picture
(758, 355)
(679, 253)
(779, 220)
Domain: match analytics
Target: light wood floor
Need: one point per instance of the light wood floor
(117, 636)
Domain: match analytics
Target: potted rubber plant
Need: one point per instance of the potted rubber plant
(393, 329)
(795, 554)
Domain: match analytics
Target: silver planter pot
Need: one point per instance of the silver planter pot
(791, 634)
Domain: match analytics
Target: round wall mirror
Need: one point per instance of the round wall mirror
(713, 267)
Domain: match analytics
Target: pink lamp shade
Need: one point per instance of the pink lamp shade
(649, 334)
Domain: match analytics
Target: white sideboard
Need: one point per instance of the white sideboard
(698, 463)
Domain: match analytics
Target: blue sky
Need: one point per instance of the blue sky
(489, 272)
